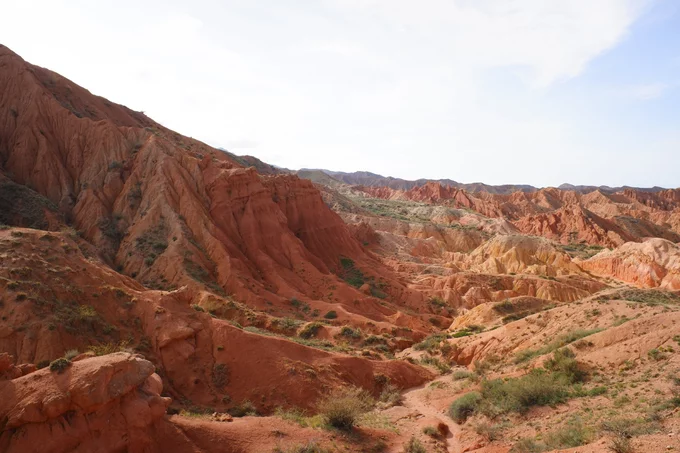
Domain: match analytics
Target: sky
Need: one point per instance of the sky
(537, 92)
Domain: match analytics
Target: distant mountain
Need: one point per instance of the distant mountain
(369, 179)
(262, 167)
(365, 178)
(319, 177)
(607, 189)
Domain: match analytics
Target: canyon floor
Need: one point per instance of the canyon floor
(157, 294)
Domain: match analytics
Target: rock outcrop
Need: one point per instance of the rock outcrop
(106, 404)
(654, 263)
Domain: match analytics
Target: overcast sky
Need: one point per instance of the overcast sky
(500, 91)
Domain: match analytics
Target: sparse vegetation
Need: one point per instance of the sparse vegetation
(242, 410)
(465, 406)
(24, 207)
(621, 444)
(310, 330)
(540, 387)
(60, 365)
(430, 343)
(201, 275)
(350, 273)
(437, 302)
(349, 332)
(390, 395)
(469, 330)
(459, 375)
(331, 315)
(564, 365)
(287, 323)
(220, 375)
(561, 341)
(645, 296)
(441, 366)
(80, 319)
(430, 431)
(490, 431)
(657, 354)
(414, 446)
(341, 408)
(582, 250)
(109, 348)
(309, 447)
(153, 242)
(572, 434)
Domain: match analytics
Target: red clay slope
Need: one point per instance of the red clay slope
(169, 210)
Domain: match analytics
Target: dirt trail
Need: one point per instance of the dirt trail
(430, 410)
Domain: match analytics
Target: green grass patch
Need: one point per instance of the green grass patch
(559, 342)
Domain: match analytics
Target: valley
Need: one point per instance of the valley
(158, 294)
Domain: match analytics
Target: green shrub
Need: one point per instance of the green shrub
(390, 395)
(243, 409)
(563, 362)
(350, 273)
(504, 307)
(348, 332)
(537, 388)
(309, 447)
(561, 341)
(656, 354)
(621, 444)
(288, 323)
(442, 367)
(70, 354)
(490, 432)
(527, 446)
(430, 343)
(430, 431)
(630, 427)
(60, 365)
(108, 348)
(465, 406)
(437, 302)
(342, 407)
(459, 375)
(573, 434)
(310, 330)
(414, 446)
(331, 315)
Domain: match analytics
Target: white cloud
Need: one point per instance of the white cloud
(553, 39)
(646, 92)
(435, 88)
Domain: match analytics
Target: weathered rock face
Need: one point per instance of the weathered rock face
(188, 221)
(321, 230)
(202, 246)
(55, 299)
(433, 192)
(651, 264)
(574, 224)
(102, 404)
(168, 210)
(598, 218)
(521, 254)
(614, 345)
